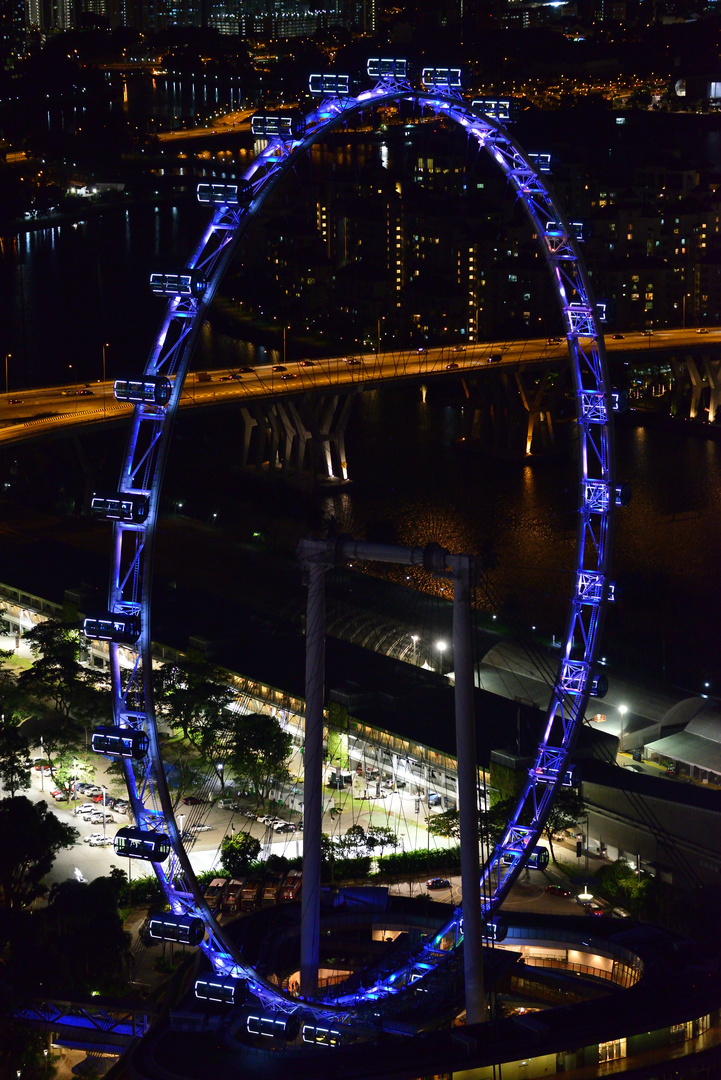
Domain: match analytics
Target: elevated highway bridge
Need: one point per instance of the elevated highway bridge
(295, 413)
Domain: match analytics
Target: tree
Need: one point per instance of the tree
(190, 695)
(260, 753)
(14, 757)
(567, 809)
(237, 852)
(31, 838)
(57, 674)
(446, 824)
(380, 836)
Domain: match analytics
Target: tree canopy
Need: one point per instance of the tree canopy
(260, 753)
(237, 852)
(31, 838)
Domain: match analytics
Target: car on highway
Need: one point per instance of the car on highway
(495, 358)
(307, 363)
(618, 337)
(15, 401)
(558, 890)
(647, 333)
(279, 367)
(702, 330)
(289, 375)
(352, 360)
(438, 883)
(554, 341)
(594, 909)
(193, 800)
(452, 366)
(228, 378)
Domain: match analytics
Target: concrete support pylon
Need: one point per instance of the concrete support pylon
(713, 379)
(467, 790)
(539, 417)
(697, 385)
(314, 565)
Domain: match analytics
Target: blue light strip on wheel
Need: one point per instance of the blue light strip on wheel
(143, 468)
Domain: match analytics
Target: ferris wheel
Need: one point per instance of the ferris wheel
(133, 510)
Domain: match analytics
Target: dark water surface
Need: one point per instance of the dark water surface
(71, 289)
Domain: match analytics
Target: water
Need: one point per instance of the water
(72, 289)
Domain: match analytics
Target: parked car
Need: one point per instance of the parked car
(101, 841)
(228, 804)
(92, 836)
(438, 883)
(200, 828)
(193, 800)
(92, 790)
(97, 818)
(434, 799)
(86, 808)
(59, 795)
(283, 826)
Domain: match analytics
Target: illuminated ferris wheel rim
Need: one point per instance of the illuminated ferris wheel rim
(146, 455)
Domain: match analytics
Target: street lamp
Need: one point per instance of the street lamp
(75, 784)
(441, 646)
(8, 355)
(181, 824)
(42, 765)
(623, 709)
(415, 639)
(105, 790)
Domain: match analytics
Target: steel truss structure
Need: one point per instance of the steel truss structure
(142, 475)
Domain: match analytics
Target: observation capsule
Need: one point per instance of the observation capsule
(113, 626)
(129, 508)
(380, 68)
(320, 1035)
(329, 85)
(444, 78)
(538, 859)
(124, 742)
(134, 843)
(178, 283)
(228, 991)
(238, 193)
(185, 929)
(144, 389)
(273, 1025)
(287, 125)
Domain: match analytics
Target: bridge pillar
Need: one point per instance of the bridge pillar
(535, 402)
(249, 422)
(713, 377)
(697, 385)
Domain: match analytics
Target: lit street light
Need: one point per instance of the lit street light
(415, 639)
(441, 646)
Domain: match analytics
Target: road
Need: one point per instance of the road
(24, 414)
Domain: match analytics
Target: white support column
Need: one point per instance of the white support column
(314, 565)
(467, 790)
